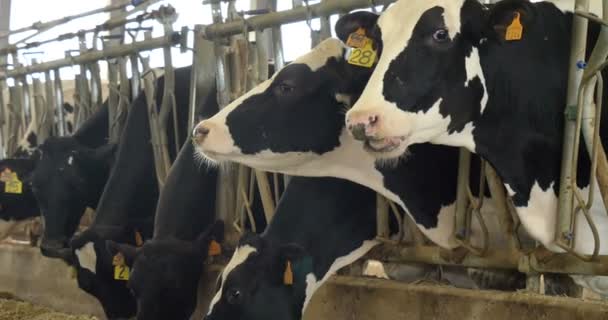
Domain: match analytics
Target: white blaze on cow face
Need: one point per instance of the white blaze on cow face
(402, 127)
(239, 257)
(219, 145)
(87, 257)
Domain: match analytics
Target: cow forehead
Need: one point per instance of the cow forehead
(241, 254)
(398, 22)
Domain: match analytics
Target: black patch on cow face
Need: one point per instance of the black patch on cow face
(432, 66)
(114, 295)
(67, 179)
(254, 290)
(298, 112)
(165, 278)
(68, 108)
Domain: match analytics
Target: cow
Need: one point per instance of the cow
(270, 128)
(492, 80)
(320, 226)
(68, 176)
(165, 272)
(128, 202)
(19, 206)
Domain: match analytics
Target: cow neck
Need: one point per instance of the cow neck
(186, 205)
(338, 218)
(529, 96)
(94, 131)
(131, 188)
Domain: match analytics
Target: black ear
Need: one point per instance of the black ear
(214, 233)
(353, 21)
(504, 13)
(292, 252)
(128, 251)
(292, 264)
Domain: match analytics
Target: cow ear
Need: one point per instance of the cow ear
(509, 19)
(208, 242)
(354, 21)
(128, 251)
(294, 263)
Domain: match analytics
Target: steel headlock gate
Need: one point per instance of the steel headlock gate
(582, 118)
(232, 56)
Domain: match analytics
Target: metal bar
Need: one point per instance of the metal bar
(203, 74)
(62, 127)
(135, 75)
(563, 233)
(265, 194)
(50, 102)
(274, 19)
(113, 102)
(39, 111)
(382, 221)
(106, 53)
(53, 23)
(462, 201)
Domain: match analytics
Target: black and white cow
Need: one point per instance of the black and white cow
(320, 226)
(17, 208)
(128, 201)
(293, 123)
(68, 177)
(448, 75)
(165, 272)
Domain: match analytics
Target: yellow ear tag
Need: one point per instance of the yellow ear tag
(357, 39)
(363, 57)
(288, 275)
(515, 30)
(13, 185)
(121, 270)
(214, 249)
(139, 241)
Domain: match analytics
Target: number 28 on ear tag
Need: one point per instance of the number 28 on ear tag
(363, 57)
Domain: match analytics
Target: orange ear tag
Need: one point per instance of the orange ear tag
(288, 275)
(214, 249)
(515, 30)
(357, 39)
(139, 241)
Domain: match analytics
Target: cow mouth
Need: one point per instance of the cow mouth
(384, 145)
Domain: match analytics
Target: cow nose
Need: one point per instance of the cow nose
(362, 126)
(200, 133)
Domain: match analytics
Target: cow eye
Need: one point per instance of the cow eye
(233, 296)
(285, 88)
(441, 35)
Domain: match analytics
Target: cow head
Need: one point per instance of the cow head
(253, 284)
(95, 269)
(428, 85)
(16, 204)
(292, 118)
(165, 273)
(68, 178)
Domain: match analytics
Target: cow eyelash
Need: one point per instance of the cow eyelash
(441, 35)
(285, 88)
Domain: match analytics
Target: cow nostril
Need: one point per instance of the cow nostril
(373, 120)
(358, 132)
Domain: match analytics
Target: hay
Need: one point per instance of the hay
(20, 310)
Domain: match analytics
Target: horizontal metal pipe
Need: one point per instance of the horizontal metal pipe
(92, 56)
(563, 263)
(275, 19)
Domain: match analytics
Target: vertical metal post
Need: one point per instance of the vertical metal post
(577, 54)
(39, 113)
(382, 221)
(135, 75)
(59, 104)
(50, 106)
(82, 86)
(5, 22)
(113, 101)
(462, 200)
(202, 80)
(227, 182)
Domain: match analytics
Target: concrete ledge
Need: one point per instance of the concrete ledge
(28, 275)
(356, 298)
